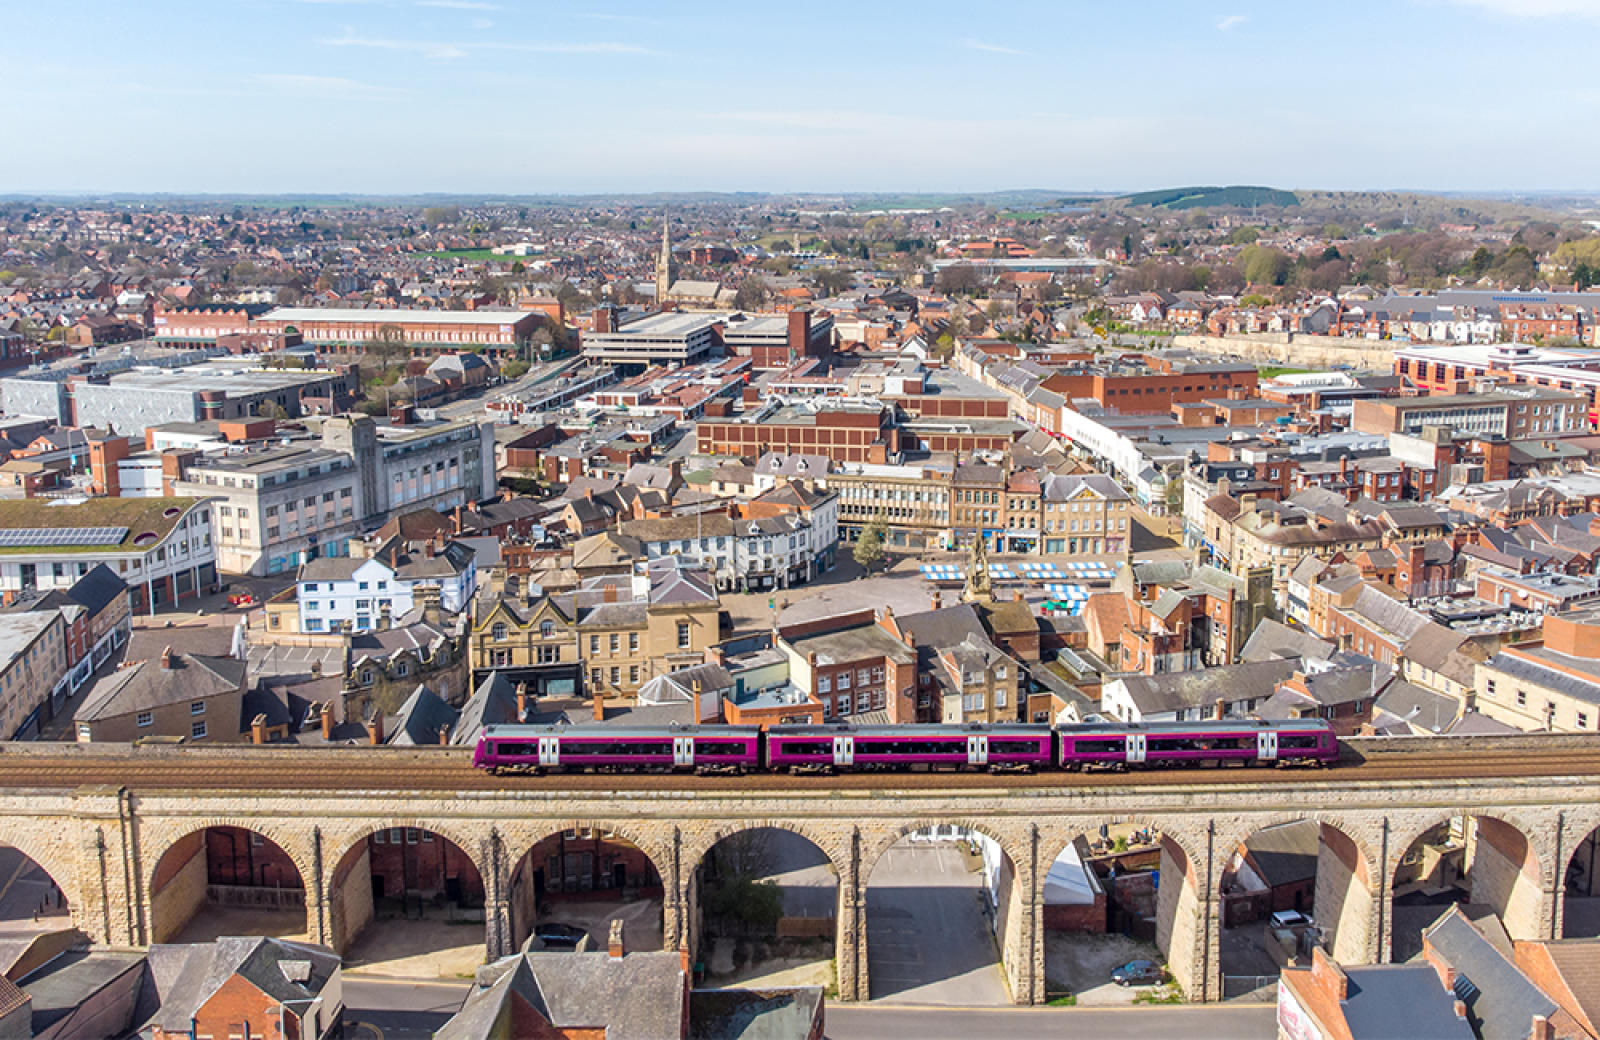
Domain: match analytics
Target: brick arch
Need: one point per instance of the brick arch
(520, 837)
(160, 840)
(1227, 841)
(693, 854)
(1400, 841)
(335, 849)
(46, 843)
(884, 840)
(1054, 837)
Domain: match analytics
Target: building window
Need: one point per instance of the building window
(594, 677)
(824, 684)
(633, 674)
(499, 631)
(616, 642)
(1522, 699)
(616, 677)
(683, 635)
(594, 644)
(633, 642)
(197, 708)
(547, 629)
(844, 680)
(198, 731)
(1583, 720)
(844, 705)
(145, 718)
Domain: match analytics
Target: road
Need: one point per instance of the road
(1211, 1022)
(398, 1009)
(928, 940)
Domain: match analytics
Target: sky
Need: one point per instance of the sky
(532, 98)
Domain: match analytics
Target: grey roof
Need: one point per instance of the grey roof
(183, 977)
(1273, 640)
(1287, 853)
(744, 1014)
(1385, 1001)
(1156, 694)
(640, 996)
(1555, 676)
(97, 589)
(146, 685)
(493, 703)
(421, 718)
(1419, 707)
(74, 980)
(1501, 1001)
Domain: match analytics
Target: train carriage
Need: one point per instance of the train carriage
(723, 749)
(844, 747)
(1160, 745)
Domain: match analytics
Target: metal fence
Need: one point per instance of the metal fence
(260, 898)
(1262, 987)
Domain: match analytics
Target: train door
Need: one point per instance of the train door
(844, 751)
(1267, 745)
(549, 751)
(1136, 748)
(977, 751)
(683, 751)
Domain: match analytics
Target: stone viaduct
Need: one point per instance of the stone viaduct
(121, 854)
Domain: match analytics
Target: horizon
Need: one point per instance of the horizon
(472, 98)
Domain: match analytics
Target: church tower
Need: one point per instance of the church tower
(664, 266)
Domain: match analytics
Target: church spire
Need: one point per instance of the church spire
(664, 265)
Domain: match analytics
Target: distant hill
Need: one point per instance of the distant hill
(1196, 198)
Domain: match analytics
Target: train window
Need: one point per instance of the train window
(718, 747)
(948, 746)
(1297, 741)
(807, 747)
(1100, 747)
(1013, 747)
(506, 747)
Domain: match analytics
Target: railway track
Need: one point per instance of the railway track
(433, 771)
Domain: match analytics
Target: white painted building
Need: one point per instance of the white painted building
(366, 594)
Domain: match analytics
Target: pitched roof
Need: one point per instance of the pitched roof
(182, 978)
(1157, 694)
(1501, 1001)
(639, 996)
(421, 718)
(146, 685)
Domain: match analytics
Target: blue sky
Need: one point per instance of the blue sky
(520, 97)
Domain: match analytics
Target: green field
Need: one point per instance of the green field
(1274, 371)
(1195, 198)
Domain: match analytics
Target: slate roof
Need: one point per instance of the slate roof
(1286, 854)
(1273, 640)
(421, 718)
(493, 703)
(98, 589)
(1157, 694)
(183, 977)
(146, 685)
(1501, 1001)
(1385, 1001)
(640, 996)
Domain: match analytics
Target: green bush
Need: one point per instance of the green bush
(756, 903)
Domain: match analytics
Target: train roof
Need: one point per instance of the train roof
(520, 732)
(1230, 726)
(921, 729)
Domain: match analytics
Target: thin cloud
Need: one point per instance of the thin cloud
(459, 5)
(1231, 21)
(323, 86)
(995, 48)
(1536, 8)
(443, 50)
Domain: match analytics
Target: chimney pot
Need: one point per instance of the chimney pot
(522, 702)
(375, 728)
(166, 659)
(444, 734)
(911, 638)
(327, 720)
(614, 947)
(258, 730)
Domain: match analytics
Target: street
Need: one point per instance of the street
(928, 939)
(398, 1009)
(1200, 1022)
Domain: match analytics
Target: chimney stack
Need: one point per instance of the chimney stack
(166, 659)
(316, 668)
(935, 599)
(258, 730)
(614, 948)
(911, 639)
(718, 655)
(327, 720)
(522, 702)
(444, 734)
(599, 706)
(610, 594)
(1222, 709)
(375, 729)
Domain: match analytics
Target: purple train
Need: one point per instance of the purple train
(846, 748)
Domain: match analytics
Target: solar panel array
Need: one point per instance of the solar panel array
(29, 537)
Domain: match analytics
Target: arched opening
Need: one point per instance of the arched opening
(408, 901)
(768, 902)
(1580, 915)
(1285, 890)
(942, 903)
(226, 881)
(582, 879)
(30, 900)
(1483, 864)
(1100, 899)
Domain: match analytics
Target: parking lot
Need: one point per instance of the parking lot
(1081, 964)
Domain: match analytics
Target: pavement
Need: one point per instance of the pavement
(1081, 963)
(928, 938)
(433, 948)
(1192, 1022)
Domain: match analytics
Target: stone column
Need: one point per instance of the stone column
(497, 925)
(319, 922)
(850, 925)
(674, 934)
(1033, 921)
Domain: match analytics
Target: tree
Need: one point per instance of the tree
(754, 293)
(387, 345)
(957, 278)
(833, 280)
(869, 548)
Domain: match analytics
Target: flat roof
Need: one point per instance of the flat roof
(397, 316)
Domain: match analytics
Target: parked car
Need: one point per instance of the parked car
(557, 936)
(1138, 973)
(1288, 919)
